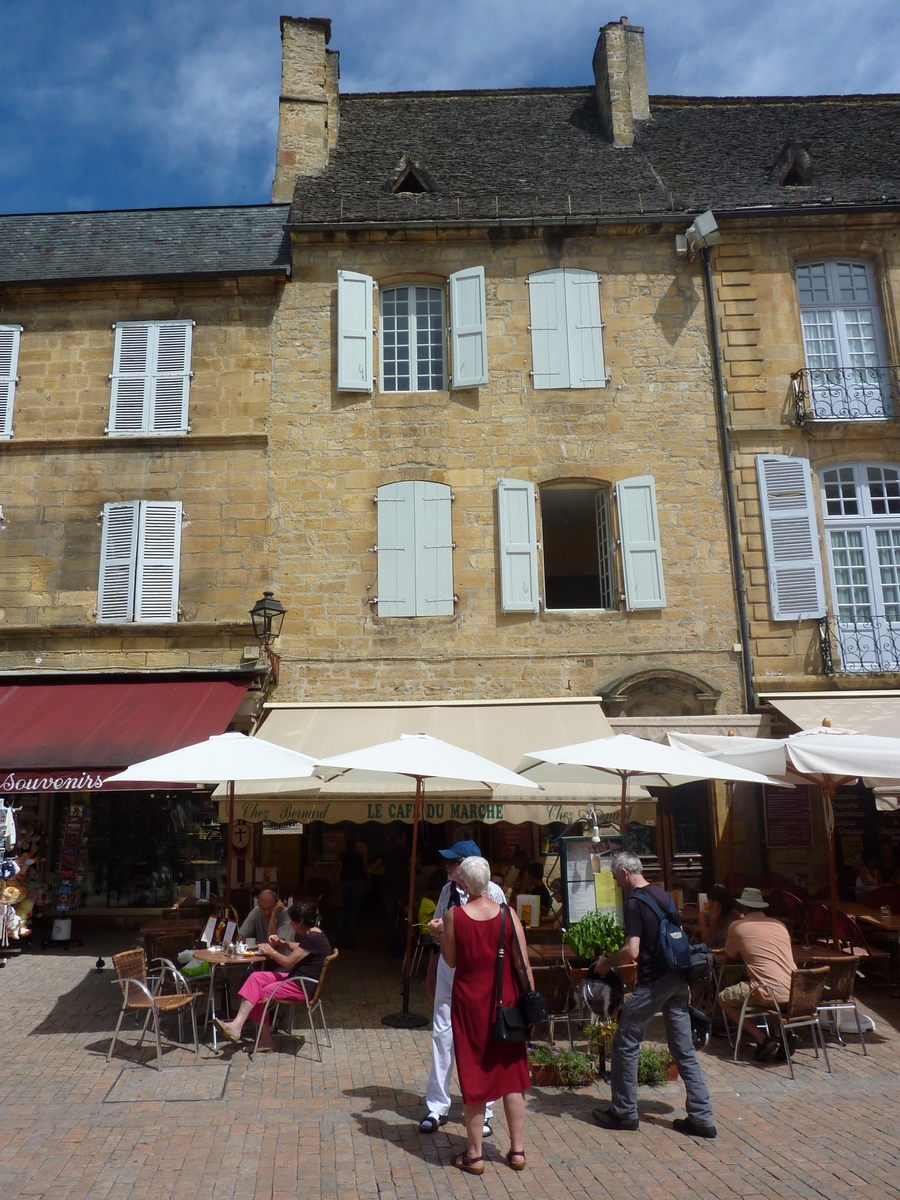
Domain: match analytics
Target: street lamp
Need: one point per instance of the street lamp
(267, 616)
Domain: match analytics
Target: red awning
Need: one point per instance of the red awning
(94, 725)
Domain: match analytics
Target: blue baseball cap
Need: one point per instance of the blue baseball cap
(462, 850)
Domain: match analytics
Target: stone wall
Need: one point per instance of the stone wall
(330, 450)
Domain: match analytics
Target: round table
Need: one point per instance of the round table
(216, 959)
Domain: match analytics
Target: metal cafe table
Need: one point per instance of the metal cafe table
(217, 959)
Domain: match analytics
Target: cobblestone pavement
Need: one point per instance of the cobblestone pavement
(284, 1127)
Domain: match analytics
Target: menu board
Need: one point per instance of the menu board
(854, 814)
(788, 819)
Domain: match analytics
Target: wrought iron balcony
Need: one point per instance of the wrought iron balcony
(846, 393)
(860, 647)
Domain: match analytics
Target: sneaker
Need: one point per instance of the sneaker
(766, 1049)
(693, 1128)
(610, 1120)
(793, 1046)
(432, 1123)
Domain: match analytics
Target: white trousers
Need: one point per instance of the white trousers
(437, 1094)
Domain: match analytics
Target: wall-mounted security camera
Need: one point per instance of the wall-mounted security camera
(702, 233)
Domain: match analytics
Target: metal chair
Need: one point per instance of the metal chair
(854, 941)
(311, 1003)
(137, 997)
(801, 1009)
(818, 916)
(554, 985)
(838, 997)
(795, 917)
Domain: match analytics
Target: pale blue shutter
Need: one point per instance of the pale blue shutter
(584, 330)
(10, 336)
(549, 341)
(796, 588)
(131, 378)
(518, 546)
(468, 329)
(158, 559)
(171, 371)
(639, 537)
(396, 549)
(118, 554)
(354, 336)
(434, 550)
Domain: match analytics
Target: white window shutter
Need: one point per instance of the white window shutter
(518, 546)
(584, 330)
(118, 551)
(131, 384)
(434, 550)
(171, 377)
(397, 549)
(354, 337)
(468, 328)
(549, 341)
(10, 336)
(158, 560)
(796, 588)
(641, 550)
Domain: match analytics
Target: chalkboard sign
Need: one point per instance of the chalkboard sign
(788, 820)
(855, 822)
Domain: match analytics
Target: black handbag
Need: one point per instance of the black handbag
(511, 1024)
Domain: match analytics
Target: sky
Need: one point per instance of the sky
(153, 103)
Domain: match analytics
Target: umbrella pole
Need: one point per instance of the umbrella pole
(829, 787)
(622, 807)
(729, 817)
(405, 1019)
(230, 842)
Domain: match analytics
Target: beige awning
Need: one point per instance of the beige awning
(875, 713)
(654, 729)
(502, 730)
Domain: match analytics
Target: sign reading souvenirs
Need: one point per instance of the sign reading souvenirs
(73, 779)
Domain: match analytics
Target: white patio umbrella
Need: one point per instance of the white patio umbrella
(223, 758)
(420, 757)
(654, 765)
(826, 756)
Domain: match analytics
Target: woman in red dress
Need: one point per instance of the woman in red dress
(487, 1069)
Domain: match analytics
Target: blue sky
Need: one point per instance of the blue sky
(130, 103)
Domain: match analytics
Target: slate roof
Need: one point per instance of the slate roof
(528, 153)
(144, 243)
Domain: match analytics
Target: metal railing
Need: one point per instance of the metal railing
(859, 647)
(846, 393)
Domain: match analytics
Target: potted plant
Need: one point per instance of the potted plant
(655, 1063)
(560, 1068)
(596, 934)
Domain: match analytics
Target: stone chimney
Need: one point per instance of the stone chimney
(308, 105)
(620, 76)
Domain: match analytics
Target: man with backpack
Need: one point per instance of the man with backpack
(654, 939)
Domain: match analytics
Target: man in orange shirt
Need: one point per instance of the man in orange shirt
(764, 946)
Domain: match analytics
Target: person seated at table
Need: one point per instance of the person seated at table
(268, 916)
(868, 876)
(304, 955)
(887, 863)
(715, 923)
(554, 918)
(763, 945)
(531, 883)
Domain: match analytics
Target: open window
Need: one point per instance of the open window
(577, 545)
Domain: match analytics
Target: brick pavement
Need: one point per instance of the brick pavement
(289, 1127)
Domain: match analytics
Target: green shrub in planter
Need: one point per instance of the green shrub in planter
(653, 1061)
(573, 1068)
(594, 935)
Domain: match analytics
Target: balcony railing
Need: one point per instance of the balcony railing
(860, 647)
(846, 393)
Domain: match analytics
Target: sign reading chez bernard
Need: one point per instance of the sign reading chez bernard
(385, 811)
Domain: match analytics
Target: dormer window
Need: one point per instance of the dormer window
(793, 167)
(411, 176)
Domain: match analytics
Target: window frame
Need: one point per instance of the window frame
(605, 558)
(866, 522)
(410, 285)
(850, 395)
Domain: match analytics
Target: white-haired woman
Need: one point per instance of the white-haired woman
(487, 1069)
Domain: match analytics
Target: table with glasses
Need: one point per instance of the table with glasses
(219, 959)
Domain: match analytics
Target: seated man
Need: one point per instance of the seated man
(764, 946)
(267, 917)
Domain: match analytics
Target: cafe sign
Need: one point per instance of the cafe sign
(53, 781)
(385, 811)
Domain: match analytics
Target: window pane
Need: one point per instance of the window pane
(429, 338)
(819, 341)
(887, 542)
(853, 282)
(884, 490)
(861, 343)
(395, 339)
(840, 493)
(812, 284)
(848, 557)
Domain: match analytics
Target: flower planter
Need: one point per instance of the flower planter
(672, 1072)
(545, 1077)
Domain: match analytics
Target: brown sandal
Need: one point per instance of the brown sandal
(462, 1162)
(516, 1166)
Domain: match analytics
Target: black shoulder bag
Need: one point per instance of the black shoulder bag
(511, 1023)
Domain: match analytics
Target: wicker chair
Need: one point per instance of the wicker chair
(838, 997)
(137, 997)
(554, 985)
(310, 1003)
(799, 1010)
